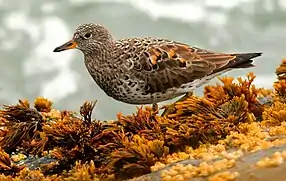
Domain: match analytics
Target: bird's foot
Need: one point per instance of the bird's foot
(171, 107)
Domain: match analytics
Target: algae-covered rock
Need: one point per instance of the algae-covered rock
(236, 131)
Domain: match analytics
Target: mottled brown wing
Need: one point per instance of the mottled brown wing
(172, 64)
(198, 60)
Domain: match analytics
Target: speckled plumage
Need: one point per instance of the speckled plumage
(148, 70)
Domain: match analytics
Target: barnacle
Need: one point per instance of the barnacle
(276, 160)
(225, 176)
(202, 170)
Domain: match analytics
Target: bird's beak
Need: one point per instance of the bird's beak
(68, 45)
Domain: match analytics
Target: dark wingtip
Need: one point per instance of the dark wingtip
(257, 54)
(242, 57)
(58, 49)
(244, 60)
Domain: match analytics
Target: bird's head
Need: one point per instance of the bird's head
(89, 38)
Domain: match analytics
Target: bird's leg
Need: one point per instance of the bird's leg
(171, 107)
(154, 107)
(155, 111)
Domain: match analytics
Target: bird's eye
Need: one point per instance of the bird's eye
(87, 35)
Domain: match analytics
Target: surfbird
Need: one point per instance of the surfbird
(148, 70)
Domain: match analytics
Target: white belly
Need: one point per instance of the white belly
(136, 97)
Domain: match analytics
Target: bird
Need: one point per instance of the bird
(149, 70)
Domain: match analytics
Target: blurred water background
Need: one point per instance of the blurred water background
(31, 29)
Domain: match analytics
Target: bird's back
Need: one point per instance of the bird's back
(153, 70)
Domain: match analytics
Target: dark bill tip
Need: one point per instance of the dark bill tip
(68, 45)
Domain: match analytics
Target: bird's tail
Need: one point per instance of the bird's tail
(243, 60)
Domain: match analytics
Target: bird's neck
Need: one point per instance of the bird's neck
(101, 67)
(100, 57)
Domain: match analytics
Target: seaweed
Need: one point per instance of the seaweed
(74, 134)
(6, 165)
(22, 122)
(137, 157)
(65, 145)
(280, 84)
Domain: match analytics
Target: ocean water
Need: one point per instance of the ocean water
(31, 29)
